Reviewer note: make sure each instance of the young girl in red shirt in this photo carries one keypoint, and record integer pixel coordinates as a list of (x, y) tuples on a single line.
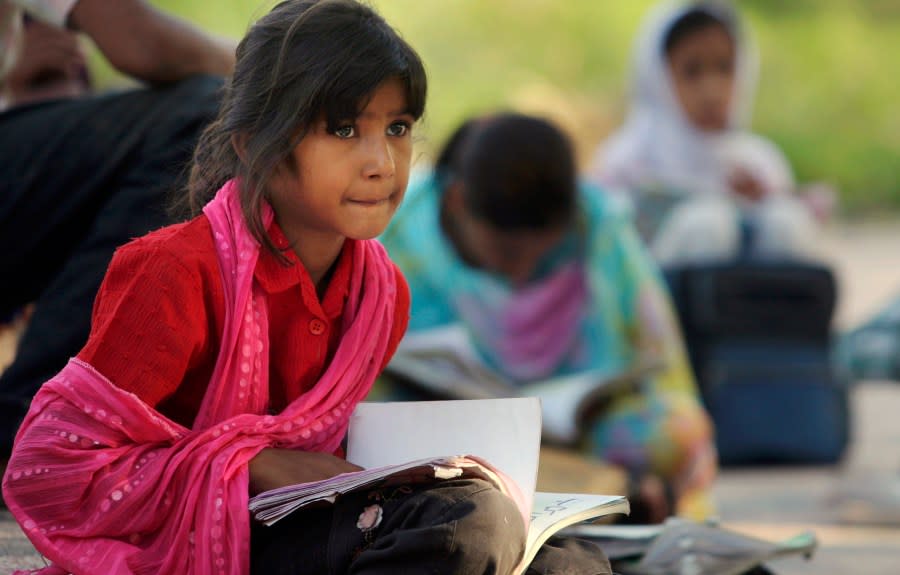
[(227, 353)]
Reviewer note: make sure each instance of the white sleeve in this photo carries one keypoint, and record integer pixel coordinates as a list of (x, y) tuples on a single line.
[(772, 166), (54, 12), (764, 160)]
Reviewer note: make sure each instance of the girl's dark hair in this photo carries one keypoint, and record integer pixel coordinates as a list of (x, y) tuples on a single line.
[(694, 20), (517, 172), (304, 60)]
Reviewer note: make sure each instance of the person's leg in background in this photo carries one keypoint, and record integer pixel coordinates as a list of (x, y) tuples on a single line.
[(785, 230), (697, 230), (664, 437), (79, 179)]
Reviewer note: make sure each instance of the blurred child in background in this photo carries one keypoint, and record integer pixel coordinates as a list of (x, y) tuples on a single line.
[(548, 278), (697, 177)]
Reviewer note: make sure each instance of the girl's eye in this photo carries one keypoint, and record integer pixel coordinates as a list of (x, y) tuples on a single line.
[(345, 131), (398, 129)]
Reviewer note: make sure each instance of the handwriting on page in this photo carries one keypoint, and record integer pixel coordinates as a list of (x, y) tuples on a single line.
[(555, 507)]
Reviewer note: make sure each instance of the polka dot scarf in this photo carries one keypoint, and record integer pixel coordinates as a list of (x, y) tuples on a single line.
[(102, 483)]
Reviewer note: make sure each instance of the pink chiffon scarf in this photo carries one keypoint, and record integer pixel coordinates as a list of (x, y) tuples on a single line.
[(102, 483), (532, 329)]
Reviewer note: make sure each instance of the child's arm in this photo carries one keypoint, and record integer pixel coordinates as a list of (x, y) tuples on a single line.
[(272, 468), (759, 169), (151, 324)]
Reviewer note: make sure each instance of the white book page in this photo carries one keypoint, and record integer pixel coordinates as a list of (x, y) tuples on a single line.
[(554, 511), (452, 338), (444, 361), (561, 398), (550, 509), (504, 432)]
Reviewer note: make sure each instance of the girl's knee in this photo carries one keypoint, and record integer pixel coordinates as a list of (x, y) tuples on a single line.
[(490, 531), (459, 527), (786, 229)]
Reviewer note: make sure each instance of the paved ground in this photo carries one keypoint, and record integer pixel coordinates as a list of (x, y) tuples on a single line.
[(776, 503)]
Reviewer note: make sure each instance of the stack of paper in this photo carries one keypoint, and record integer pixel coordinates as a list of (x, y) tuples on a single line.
[(275, 504)]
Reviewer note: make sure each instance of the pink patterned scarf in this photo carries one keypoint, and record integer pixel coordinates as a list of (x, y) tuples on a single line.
[(528, 331), (102, 483)]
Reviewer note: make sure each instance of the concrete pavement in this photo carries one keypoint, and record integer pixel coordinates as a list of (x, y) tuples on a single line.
[(776, 503)]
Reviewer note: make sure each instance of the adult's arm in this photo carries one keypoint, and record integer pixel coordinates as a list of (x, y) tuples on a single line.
[(147, 44)]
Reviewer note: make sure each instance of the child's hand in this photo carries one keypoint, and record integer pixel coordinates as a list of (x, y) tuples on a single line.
[(746, 185), (272, 468)]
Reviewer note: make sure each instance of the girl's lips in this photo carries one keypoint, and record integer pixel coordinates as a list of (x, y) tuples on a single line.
[(369, 202)]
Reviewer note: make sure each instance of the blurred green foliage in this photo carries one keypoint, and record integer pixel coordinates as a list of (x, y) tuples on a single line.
[(829, 92)]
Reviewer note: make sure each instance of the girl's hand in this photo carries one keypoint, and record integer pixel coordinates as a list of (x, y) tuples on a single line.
[(747, 186), (272, 468)]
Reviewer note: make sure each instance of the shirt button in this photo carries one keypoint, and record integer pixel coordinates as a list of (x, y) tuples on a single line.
[(316, 326)]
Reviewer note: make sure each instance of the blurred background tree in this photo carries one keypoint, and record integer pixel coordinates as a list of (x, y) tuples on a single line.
[(829, 92)]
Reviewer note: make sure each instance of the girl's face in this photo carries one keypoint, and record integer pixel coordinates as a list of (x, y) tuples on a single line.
[(514, 255), (347, 183), (701, 66)]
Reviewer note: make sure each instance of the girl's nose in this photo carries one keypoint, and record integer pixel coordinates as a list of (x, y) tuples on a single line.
[(379, 159)]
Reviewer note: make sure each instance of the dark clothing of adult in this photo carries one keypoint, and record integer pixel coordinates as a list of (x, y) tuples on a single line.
[(79, 178)]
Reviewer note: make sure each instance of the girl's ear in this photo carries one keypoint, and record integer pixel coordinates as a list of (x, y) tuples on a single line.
[(239, 143)]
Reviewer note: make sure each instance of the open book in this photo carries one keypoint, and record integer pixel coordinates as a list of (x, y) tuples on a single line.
[(443, 363), (495, 439)]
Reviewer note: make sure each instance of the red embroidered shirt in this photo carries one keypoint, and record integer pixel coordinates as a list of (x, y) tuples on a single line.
[(159, 315)]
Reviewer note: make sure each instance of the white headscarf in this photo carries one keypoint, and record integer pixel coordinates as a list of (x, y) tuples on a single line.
[(658, 147)]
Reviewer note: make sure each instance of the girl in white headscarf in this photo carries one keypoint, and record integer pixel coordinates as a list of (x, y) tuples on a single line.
[(695, 174)]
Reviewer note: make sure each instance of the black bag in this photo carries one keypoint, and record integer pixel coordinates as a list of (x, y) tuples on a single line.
[(759, 338)]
